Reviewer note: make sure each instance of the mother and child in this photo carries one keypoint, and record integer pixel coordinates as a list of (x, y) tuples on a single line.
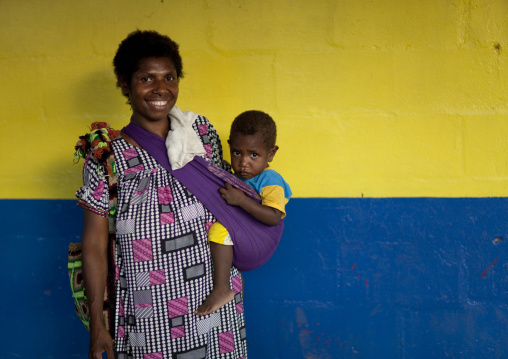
[(177, 293)]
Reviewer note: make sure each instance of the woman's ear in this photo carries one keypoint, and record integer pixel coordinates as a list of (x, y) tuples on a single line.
[(272, 152), (122, 83)]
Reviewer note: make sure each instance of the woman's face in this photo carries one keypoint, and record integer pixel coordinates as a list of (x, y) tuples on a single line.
[(153, 89)]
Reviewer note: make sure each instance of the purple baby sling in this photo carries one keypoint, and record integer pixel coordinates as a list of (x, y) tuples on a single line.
[(254, 241)]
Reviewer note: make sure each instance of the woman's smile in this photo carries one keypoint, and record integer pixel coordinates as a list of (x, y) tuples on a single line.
[(159, 104), (153, 90)]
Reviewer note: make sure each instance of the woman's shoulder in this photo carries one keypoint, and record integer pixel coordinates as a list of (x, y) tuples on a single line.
[(97, 144)]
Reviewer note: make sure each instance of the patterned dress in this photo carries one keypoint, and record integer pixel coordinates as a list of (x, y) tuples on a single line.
[(163, 262)]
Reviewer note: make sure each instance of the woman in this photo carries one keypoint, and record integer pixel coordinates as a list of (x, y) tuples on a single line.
[(163, 264)]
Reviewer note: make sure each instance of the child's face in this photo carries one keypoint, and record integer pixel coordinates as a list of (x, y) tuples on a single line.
[(249, 155)]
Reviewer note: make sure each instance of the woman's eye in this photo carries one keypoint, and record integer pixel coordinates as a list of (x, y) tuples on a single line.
[(170, 78), (146, 79)]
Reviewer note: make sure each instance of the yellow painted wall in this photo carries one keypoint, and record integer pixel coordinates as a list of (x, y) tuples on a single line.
[(380, 98)]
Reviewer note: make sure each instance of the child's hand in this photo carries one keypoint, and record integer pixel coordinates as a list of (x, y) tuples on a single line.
[(233, 196)]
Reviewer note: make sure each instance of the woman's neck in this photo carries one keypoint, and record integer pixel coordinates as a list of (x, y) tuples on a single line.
[(159, 128)]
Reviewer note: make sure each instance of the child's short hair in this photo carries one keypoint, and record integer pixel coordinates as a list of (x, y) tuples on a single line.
[(253, 123)]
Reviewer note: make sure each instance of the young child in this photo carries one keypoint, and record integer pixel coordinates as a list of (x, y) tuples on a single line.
[(252, 146)]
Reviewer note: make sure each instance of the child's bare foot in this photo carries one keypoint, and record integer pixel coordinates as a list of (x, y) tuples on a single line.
[(216, 300)]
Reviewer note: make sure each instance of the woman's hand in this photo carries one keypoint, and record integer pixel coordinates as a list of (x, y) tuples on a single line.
[(100, 341), (233, 196)]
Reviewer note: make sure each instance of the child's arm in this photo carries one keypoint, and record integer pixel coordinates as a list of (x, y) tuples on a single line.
[(265, 214)]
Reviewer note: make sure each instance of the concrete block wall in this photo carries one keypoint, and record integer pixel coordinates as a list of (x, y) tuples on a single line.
[(392, 119), (380, 98)]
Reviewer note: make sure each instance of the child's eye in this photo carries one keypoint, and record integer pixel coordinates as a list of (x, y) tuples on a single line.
[(254, 155), (236, 153)]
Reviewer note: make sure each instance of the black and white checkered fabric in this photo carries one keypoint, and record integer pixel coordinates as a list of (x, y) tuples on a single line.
[(164, 268)]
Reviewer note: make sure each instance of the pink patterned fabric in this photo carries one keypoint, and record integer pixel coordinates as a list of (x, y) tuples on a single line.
[(130, 153), (237, 283), (239, 308), (165, 196), (178, 307), (135, 169), (142, 250), (208, 225), (153, 356), (157, 277), (121, 311), (203, 129), (208, 150), (177, 332), (99, 191), (167, 218), (226, 342)]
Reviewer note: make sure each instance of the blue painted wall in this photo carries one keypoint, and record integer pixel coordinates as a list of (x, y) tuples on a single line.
[(355, 278)]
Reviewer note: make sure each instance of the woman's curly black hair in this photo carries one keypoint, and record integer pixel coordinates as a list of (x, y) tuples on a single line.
[(142, 44), (255, 123)]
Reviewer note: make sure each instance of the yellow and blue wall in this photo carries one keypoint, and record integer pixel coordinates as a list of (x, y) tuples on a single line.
[(393, 123)]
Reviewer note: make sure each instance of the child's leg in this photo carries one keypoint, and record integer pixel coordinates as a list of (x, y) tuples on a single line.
[(222, 293), (221, 248)]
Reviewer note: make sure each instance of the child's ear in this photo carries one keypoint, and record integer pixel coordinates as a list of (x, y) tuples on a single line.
[(272, 152)]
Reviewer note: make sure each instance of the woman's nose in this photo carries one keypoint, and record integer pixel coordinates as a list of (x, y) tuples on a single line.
[(160, 87)]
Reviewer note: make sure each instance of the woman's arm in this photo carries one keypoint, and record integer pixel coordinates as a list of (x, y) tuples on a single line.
[(236, 197), (94, 243)]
